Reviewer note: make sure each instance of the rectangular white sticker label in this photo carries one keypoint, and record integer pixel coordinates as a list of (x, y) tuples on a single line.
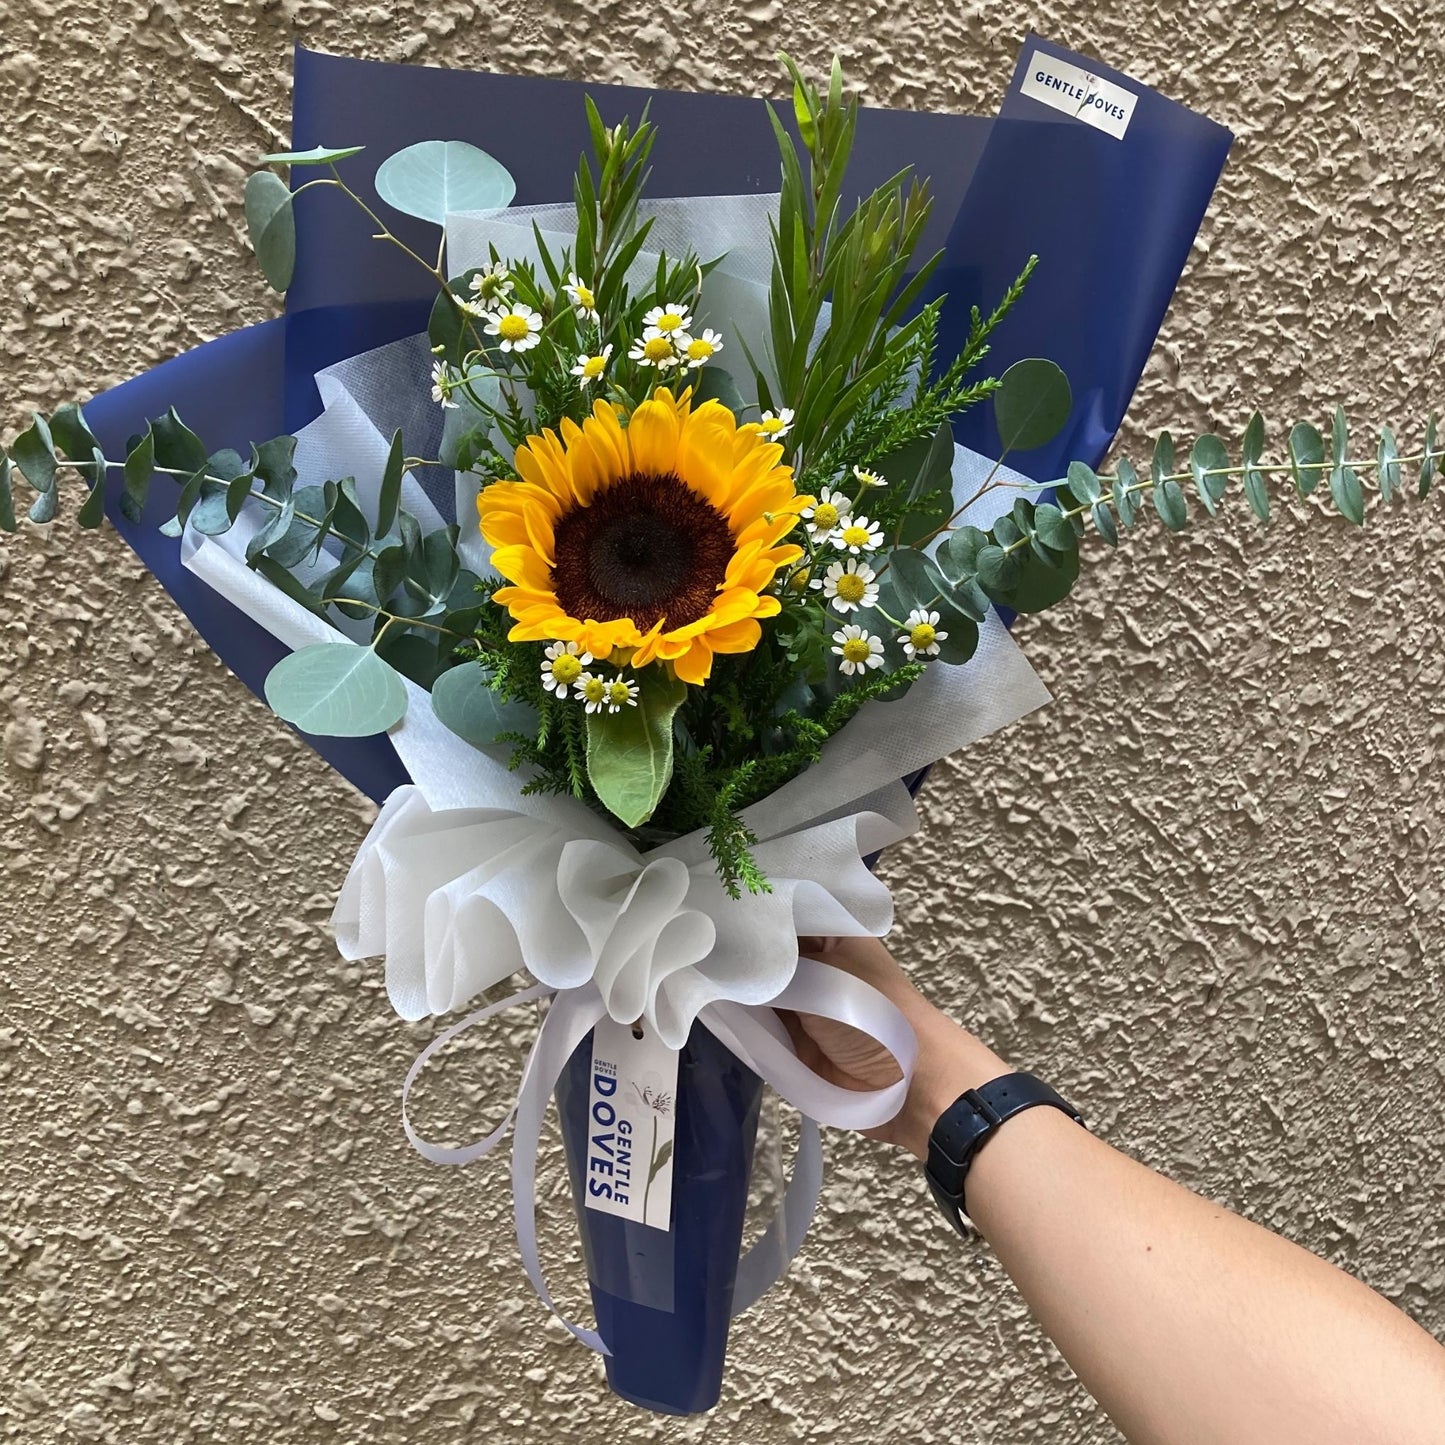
[(1074, 90), (631, 1118)]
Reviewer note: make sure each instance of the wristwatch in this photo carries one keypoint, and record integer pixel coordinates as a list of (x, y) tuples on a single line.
[(969, 1123)]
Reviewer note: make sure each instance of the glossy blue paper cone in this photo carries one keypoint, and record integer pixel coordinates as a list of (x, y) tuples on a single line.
[(664, 1300)]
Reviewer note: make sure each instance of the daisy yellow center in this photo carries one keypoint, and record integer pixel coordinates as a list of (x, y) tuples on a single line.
[(669, 321), (825, 514), (699, 350), (593, 367), (856, 649), (594, 689), (772, 425), (856, 536), (618, 693), (585, 297), (512, 327), (658, 349), (648, 548), (851, 587), (566, 669), (870, 479), (922, 635)]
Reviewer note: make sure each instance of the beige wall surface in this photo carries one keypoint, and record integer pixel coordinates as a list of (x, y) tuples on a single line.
[(1201, 891)]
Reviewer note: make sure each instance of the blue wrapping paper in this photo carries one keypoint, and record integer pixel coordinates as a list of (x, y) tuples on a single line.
[(1112, 220)]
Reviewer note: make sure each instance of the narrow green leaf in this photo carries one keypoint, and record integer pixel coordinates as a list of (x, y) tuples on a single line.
[(318, 156), (1032, 404), (336, 689), (629, 752), (1306, 456), (435, 179), (1387, 466), (389, 498), (271, 224)]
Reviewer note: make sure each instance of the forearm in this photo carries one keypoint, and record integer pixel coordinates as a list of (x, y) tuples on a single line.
[(1187, 1323)]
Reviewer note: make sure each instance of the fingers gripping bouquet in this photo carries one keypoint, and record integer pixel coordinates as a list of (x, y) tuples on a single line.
[(657, 564)]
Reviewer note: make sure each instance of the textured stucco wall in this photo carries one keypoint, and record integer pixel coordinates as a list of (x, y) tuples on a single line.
[(1201, 891)]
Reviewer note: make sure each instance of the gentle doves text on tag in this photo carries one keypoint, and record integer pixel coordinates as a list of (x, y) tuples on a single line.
[(631, 1119), (1074, 90)]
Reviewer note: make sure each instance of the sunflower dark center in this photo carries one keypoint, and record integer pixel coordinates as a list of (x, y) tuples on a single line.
[(648, 547)]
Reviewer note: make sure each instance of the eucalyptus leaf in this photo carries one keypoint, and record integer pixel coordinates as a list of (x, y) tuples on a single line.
[(317, 156), (1348, 494), (1104, 523), (1306, 456), (33, 451), (1169, 503), (336, 689), (271, 224), (958, 553), (917, 578), (1036, 588), (1256, 492), (1387, 466), (136, 478), (713, 383), (1032, 404), (177, 448), (1126, 492), (1208, 460), (7, 494), (435, 179), (629, 752), (465, 703), (1084, 483), (1432, 456), (389, 498)]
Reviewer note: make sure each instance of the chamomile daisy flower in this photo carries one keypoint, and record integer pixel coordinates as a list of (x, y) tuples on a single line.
[(562, 666), (774, 425), (442, 382), (493, 282), (580, 294), (591, 368), (667, 319), (593, 691), (621, 693), (695, 351), (857, 649), (848, 585), (825, 515), (921, 634), (857, 534), (516, 326), (867, 479), (655, 349)]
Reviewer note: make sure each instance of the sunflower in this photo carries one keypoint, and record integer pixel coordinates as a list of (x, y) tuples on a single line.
[(658, 538)]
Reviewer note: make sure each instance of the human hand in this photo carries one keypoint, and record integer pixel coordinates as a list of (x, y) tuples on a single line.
[(950, 1059)]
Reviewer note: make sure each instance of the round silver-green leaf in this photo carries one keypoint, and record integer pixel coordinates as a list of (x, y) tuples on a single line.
[(337, 690), (1032, 404), (436, 178)]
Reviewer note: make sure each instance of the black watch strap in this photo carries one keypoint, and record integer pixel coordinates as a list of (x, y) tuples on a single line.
[(969, 1123)]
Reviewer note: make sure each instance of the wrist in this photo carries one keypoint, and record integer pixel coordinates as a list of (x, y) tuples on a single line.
[(950, 1062)]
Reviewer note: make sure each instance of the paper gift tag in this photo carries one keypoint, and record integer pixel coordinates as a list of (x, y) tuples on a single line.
[(632, 1103)]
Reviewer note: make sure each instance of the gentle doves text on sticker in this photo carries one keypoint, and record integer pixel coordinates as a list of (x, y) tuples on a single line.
[(1078, 92)]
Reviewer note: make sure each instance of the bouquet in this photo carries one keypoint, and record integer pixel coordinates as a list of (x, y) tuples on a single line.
[(636, 571)]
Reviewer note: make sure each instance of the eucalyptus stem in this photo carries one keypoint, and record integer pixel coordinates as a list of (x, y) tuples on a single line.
[(392, 617)]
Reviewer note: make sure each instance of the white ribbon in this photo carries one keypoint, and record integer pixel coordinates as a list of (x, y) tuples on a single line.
[(759, 1040)]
